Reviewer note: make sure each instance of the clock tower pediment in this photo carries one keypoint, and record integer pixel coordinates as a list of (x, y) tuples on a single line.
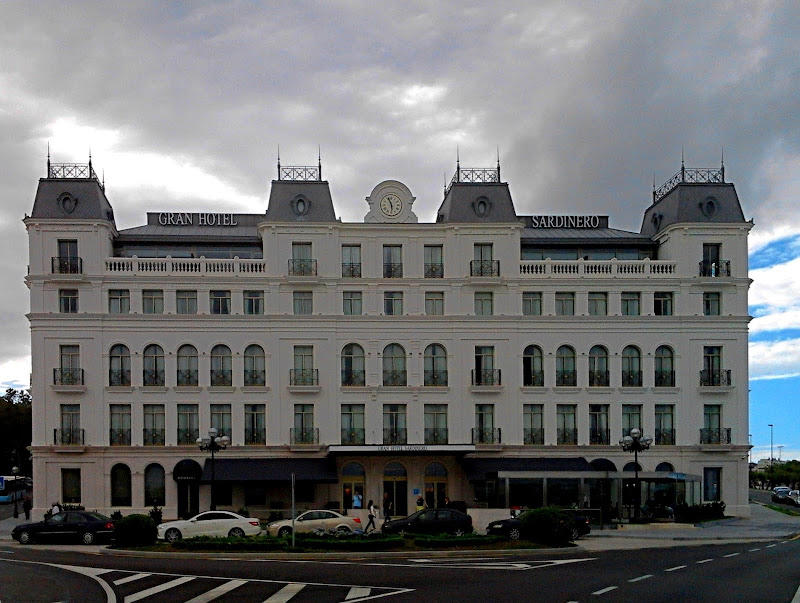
[(390, 202)]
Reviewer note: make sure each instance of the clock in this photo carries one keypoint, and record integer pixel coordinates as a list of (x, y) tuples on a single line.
[(391, 205)]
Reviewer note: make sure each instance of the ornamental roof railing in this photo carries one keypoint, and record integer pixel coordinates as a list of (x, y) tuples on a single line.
[(300, 173), (71, 170), (690, 175), (475, 176)]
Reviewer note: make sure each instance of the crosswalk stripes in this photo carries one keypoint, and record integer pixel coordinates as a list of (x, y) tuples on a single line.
[(217, 592), (142, 594), (286, 593)]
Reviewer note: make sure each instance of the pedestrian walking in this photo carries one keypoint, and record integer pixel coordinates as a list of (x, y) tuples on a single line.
[(27, 505), (56, 508), (387, 507), (372, 513)]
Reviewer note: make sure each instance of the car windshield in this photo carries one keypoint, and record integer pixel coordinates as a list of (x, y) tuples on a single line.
[(99, 516)]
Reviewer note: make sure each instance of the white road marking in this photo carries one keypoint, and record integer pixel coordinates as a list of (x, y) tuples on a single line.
[(87, 571), (142, 594), (769, 546), (732, 555), (704, 561), (286, 593), (453, 559), (217, 592), (796, 598), (753, 550), (131, 578), (645, 577), (357, 592), (603, 591), (677, 567)]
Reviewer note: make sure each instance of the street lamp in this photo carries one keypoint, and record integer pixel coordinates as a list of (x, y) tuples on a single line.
[(15, 471), (213, 443), (771, 456), (636, 443)]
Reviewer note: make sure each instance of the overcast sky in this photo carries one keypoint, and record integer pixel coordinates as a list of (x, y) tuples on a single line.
[(184, 106)]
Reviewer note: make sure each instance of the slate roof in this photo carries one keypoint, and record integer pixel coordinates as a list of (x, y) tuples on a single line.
[(90, 199)]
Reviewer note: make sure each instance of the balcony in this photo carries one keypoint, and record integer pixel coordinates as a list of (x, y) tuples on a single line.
[(599, 437), (568, 437), (435, 435), (435, 378), (188, 378), (154, 437), (481, 435), (351, 270), (714, 269), (717, 435), (68, 437), (354, 436), (611, 269), (255, 437), (631, 378), (434, 270), (533, 436), (715, 378), (664, 437), (533, 378), (222, 378), (566, 378), (255, 378), (148, 267), (394, 436), (302, 267), (395, 378), (119, 437), (484, 268), (67, 265), (188, 436), (664, 379), (486, 377), (392, 270), (599, 379), (153, 378), (303, 377), (354, 378), (304, 435), (67, 376), (120, 378)]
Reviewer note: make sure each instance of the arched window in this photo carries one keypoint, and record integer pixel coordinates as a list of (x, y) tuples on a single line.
[(665, 467), (120, 486), (353, 476), (119, 365), (187, 365), (435, 365), (665, 367), (598, 366), (631, 367), (602, 465), (255, 366), (394, 365), (154, 491), (565, 366), (532, 367), (153, 371), (435, 485), (221, 365), (353, 372), (631, 466)]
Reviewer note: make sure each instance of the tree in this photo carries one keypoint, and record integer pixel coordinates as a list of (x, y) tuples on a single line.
[(15, 431)]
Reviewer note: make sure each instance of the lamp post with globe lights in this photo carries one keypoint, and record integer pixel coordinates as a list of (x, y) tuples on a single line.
[(636, 442), (15, 472), (213, 444)]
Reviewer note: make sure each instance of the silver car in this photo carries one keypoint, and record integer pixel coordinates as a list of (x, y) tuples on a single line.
[(210, 523), (310, 521)]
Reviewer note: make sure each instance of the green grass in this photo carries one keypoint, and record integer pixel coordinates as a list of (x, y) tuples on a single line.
[(784, 510)]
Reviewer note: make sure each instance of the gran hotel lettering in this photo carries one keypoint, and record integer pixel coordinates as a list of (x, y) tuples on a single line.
[(201, 219)]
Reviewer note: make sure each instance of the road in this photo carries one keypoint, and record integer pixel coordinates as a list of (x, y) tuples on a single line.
[(764, 572)]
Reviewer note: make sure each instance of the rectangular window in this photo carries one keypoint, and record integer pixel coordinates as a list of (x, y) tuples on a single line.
[(531, 303), (351, 261), (713, 373), (153, 301), (435, 420), (662, 303), (188, 424), (302, 302), (255, 424), (631, 418), (533, 424), (352, 302), (119, 301), (630, 303), (394, 424), (70, 371), (302, 263), (434, 261), (221, 419), (220, 302), (392, 261), (68, 301), (484, 432), (484, 372), (304, 431), (599, 433), (303, 372), (565, 303), (353, 426), (67, 261), (483, 262), (712, 484), (566, 428), (70, 432), (434, 303), (598, 303), (186, 302), (713, 264), (154, 425), (393, 303), (712, 432), (484, 303), (665, 424), (253, 302), (120, 428), (712, 303), (71, 486)]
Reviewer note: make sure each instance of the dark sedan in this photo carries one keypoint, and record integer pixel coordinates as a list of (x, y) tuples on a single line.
[(69, 526), (431, 521), (512, 527)]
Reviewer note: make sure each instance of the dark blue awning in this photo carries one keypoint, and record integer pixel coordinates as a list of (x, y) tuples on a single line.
[(479, 469), (273, 469)]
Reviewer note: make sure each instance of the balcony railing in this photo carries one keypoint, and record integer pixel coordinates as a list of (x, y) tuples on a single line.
[(351, 270), (533, 436), (67, 376), (718, 435), (304, 435), (67, 265), (664, 379), (255, 377), (567, 437), (395, 378), (354, 378), (392, 270), (353, 436), (188, 377), (395, 435), (433, 378), (119, 437), (303, 376), (154, 437), (168, 266), (566, 378), (302, 267), (255, 437), (599, 437), (436, 435), (68, 437), (119, 378), (486, 377), (598, 268), (434, 270), (153, 378), (188, 436), (664, 437), (481, 435), (720, 268), (599, 378), (716, 378), (484, 268), (222, 378), (534, 379), (631, 378)]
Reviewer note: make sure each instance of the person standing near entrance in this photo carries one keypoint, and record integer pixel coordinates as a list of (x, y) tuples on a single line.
[(387, 507), (27, 505)]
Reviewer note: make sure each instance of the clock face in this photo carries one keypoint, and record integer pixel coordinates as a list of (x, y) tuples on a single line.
[(391, 205)]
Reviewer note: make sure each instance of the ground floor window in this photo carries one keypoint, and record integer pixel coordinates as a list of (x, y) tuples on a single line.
[(395, 489), (352, 480), (712, 482), (435, 485), (71, 486), (154, 490), (120, 486)]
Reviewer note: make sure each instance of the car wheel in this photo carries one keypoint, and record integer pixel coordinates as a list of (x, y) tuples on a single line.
[(87, 538), (574, 534), (236, 533), (25, 538), (284, 532), (344, 530), (173, 535), (514, 533)]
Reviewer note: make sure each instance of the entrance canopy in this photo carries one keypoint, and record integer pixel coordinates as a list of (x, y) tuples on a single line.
[(478, 469), (277, 469)]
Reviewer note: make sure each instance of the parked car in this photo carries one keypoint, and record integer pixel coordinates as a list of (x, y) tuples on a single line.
[(512, 527), (316, 519), (794, 497), (68, 526), (431, 521), (210, 523), (781, 494)]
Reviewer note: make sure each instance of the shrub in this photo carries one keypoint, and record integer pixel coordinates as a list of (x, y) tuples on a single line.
[(135, 530), (702, 512), (156, 515), (548, 525), (244, 512), (116, 516)]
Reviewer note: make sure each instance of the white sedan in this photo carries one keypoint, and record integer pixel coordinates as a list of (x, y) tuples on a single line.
[(210, 523), (315, 520)]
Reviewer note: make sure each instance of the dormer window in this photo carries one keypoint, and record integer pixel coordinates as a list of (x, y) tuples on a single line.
[(300, 205), (67, 203), (482, 206)]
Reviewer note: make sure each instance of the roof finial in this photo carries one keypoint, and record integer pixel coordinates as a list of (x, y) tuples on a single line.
[(48, 158), (722, 162), (104, 179), (498, 163), (279, 162), (458, 165), (319, 162), (683, 169)]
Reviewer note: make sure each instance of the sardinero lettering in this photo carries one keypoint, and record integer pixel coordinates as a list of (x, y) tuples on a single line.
[(403, 448), (202, 219), (565, 221)]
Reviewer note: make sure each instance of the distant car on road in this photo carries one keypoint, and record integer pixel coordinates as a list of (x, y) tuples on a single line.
[(210, 523), (781, 494), (316, 519), (431, 521), (513, 528), (68, 526)]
